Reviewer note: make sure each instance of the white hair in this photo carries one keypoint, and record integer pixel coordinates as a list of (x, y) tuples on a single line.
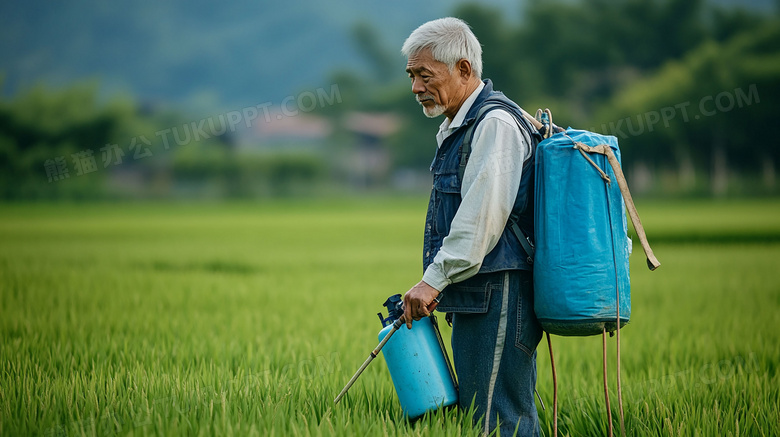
[(450, 40)]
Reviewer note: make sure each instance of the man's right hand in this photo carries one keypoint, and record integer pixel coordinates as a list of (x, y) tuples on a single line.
[(419, 301)]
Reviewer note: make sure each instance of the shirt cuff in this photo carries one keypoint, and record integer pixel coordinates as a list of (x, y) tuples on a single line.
[(434, 277)]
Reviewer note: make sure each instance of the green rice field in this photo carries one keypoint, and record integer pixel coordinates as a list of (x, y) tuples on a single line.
[(246, 319)]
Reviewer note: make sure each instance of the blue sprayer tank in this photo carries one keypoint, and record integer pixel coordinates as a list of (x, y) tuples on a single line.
[(582, 245), (417, 362)]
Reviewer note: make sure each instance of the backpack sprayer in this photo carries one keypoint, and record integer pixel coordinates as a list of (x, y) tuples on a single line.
[(417, 360), (587, 294)]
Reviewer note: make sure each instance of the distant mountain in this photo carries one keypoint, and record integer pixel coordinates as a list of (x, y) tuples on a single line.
[(194, 52), (200, 54)]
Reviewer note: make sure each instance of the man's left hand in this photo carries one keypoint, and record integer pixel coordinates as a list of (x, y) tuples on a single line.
[(419, 302)]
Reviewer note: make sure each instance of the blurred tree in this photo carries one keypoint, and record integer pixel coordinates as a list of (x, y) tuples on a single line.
[(66, 144), (383, 62), (494, 35), (729, 22), (204, 170), (584, 51), (41, 127), (616, 64), (711, 110)]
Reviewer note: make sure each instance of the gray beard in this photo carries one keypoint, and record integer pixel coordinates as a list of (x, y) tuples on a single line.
[(434, 112)]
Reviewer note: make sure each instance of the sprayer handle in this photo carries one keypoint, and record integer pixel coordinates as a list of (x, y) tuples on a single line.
[(432, 306), (421, 290)]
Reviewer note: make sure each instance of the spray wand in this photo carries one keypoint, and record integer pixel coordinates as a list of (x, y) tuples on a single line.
[(397, 324)]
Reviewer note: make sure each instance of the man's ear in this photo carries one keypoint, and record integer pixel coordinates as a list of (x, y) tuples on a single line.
[(463, 67)]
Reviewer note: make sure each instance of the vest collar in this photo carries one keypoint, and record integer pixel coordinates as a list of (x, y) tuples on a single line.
[(483, 95)]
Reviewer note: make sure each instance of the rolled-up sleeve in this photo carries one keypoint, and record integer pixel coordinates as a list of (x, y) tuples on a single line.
[(488, 191)]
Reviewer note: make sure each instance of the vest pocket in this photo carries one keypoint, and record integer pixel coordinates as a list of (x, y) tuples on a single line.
[(469, 296), (446, 191), (446, 183)]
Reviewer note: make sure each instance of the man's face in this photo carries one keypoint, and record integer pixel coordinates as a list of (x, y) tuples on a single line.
[(434, 84)]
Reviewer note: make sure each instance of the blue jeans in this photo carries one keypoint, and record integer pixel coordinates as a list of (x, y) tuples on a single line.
[(494, 339)]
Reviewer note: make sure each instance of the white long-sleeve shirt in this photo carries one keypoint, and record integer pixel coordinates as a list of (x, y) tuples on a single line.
[(490, 183)]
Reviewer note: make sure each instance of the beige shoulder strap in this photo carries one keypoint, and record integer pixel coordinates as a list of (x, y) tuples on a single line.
[(603, 149)]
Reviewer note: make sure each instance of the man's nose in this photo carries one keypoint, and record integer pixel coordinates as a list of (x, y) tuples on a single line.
[(418, 87)]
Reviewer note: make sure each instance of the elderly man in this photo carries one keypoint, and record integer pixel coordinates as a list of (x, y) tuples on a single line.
[(470, 255)]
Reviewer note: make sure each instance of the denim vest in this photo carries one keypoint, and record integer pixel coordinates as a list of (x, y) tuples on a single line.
[(446, 197)]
